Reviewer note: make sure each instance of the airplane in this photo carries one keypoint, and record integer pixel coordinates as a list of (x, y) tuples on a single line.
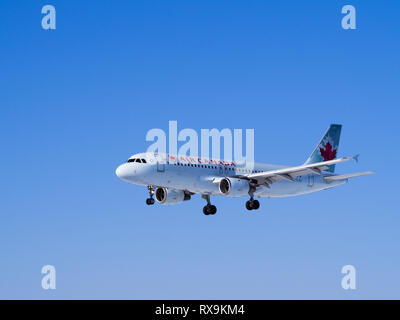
[(172, 179)]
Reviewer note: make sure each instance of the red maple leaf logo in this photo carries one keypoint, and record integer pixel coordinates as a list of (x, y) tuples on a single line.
[(328, 153)]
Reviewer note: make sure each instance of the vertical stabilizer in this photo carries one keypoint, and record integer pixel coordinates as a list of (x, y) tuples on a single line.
[(327, 148)]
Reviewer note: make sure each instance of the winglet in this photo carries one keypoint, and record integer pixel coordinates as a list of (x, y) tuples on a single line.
[(356, 157)]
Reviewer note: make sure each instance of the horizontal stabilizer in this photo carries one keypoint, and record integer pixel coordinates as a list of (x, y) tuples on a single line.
[(346, 176)]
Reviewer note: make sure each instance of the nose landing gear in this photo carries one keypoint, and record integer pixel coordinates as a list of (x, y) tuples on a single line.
[(209, 208), (150, 201)]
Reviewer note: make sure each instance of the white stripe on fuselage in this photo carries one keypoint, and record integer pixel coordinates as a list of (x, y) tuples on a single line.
[(197, 174)]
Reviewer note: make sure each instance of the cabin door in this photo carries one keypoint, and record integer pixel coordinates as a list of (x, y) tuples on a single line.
[(160, 166), (310, 180)]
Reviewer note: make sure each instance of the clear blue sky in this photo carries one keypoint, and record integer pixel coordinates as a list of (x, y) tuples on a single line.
[(77, 101)]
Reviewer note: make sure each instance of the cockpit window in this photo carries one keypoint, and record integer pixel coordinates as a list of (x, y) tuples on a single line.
[(137, 160)]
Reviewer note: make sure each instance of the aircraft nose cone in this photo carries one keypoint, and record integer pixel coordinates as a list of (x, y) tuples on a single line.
[(122, 172), (118, 172)]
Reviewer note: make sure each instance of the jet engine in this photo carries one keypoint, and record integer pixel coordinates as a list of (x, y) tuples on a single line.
[(171, 196), (234, 187)]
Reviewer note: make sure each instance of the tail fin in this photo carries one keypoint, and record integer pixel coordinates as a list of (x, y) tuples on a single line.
[(327, 148)]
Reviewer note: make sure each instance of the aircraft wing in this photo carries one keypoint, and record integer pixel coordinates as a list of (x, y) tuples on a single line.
[(271, 176)]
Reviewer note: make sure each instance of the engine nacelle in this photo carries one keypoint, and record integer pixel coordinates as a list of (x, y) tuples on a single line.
[(170, 196), (234, 187)]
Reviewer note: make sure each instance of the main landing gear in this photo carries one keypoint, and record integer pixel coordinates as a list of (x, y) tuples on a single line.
[(252, 204), (209, 208), (150, 201)]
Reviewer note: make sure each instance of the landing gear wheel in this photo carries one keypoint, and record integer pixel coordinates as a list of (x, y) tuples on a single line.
[(252, 204), (213, 209), (149, 201), (209, 209), (256, 204), (249, 205)]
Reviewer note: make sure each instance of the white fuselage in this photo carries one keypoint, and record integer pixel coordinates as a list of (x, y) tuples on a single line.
[(200, 176)]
